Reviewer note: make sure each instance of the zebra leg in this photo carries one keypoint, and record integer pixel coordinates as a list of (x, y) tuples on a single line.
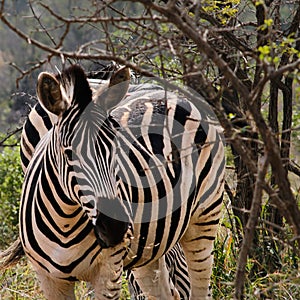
[(178, 270), (133, 286), (106, 277), (197, 244), (154, 280), (54, 288)]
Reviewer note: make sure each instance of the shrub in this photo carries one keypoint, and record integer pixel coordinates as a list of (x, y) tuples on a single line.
[(11, 177)]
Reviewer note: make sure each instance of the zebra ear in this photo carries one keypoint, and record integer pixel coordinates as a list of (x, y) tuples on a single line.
[(49, 94), (110, 95)]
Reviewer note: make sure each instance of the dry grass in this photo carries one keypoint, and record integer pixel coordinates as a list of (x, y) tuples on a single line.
[(20, 283)]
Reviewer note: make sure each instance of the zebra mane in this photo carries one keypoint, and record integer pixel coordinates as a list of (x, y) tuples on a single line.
[(75, 87)]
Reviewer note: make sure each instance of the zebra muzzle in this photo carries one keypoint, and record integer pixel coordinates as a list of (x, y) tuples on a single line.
[(112, 222)]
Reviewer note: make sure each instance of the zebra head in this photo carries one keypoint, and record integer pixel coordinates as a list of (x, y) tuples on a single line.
[(84, 142)]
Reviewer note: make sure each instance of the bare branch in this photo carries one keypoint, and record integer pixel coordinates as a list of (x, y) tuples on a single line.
[(294, 168), (101, 19), (40, 23), (8, 136), (252, 221)]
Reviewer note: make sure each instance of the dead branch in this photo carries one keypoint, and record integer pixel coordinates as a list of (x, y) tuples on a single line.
[(8, 136), (252, 221)]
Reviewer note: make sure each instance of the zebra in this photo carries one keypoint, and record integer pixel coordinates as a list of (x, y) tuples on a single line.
[(40, 121), (120, 228)]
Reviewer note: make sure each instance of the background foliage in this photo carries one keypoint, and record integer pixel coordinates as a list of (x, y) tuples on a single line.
[(10, 187)]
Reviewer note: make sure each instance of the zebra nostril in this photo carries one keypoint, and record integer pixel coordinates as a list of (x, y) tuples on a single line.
[(112, 222), (110, 232)]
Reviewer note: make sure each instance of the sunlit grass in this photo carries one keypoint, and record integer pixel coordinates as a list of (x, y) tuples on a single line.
[(282, 284), (20, 283)]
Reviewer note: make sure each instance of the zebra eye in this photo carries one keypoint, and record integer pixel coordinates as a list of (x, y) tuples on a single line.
[(69, 154)]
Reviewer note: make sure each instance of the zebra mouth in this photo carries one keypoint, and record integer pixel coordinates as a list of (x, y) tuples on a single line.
[(112, 223), (110, 232)]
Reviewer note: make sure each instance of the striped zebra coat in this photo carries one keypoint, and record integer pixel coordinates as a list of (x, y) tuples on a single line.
[(76, 180), (38, 124), (40, 121)]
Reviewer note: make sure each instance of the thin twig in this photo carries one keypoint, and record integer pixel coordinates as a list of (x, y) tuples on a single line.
[(250, 228), (9, 135)]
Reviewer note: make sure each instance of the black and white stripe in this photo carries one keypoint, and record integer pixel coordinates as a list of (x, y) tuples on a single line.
[(167, 162), (39, 122), (178, 275)]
